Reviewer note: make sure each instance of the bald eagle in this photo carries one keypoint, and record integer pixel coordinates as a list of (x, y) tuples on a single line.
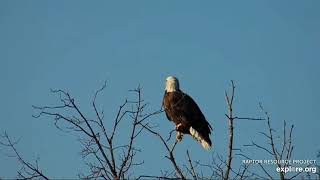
[(186, 114)]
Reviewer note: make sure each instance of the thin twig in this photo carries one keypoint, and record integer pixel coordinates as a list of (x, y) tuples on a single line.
[(230, 124), (35, 171), (193, 173)]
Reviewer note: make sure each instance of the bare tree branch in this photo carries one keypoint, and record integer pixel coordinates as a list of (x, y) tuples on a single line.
[(230, 124), (271, 141), (28, 170), (191, 170), (170, 151)]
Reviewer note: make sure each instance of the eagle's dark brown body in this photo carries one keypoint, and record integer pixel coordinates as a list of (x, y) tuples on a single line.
[(182, 109)]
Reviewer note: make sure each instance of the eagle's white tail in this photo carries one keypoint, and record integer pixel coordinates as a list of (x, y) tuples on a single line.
[(196, 135)]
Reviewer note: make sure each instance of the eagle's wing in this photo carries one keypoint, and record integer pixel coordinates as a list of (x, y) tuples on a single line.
[(173, 104), (190, 113), (182, 109), (193, 115)]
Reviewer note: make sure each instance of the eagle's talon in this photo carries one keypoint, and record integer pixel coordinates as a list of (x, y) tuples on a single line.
[(178, 126), (179, 136)]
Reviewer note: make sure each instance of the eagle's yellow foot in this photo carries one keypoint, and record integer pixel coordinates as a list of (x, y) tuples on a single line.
[(179, 136)]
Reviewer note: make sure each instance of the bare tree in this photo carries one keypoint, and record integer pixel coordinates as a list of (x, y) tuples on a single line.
[(107, 158), (281, 152), (97, 140)]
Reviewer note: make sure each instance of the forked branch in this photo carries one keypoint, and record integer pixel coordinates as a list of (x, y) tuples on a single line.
[(230, 117), (28, 170), (169, 150)]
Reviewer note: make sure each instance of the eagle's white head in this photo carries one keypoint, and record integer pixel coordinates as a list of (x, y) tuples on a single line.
[(172, 84)]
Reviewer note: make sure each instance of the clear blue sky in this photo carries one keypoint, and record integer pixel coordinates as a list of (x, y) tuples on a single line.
[(270, 48)]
